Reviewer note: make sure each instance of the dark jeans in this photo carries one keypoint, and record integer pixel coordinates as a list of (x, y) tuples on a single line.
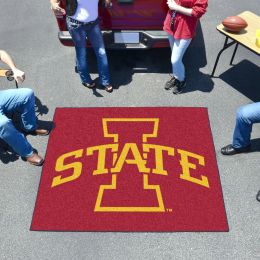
[(80, 33), (20, 101), (246, 116)]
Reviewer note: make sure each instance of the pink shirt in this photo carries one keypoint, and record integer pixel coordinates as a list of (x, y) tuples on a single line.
[(185, 26)]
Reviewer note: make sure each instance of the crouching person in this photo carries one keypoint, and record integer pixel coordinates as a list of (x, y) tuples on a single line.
[(21, 102), (247, 115)]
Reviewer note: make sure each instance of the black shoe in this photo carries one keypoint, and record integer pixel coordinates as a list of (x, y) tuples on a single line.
[(170, 83), (230, 150), (258, 196), (178, 86)]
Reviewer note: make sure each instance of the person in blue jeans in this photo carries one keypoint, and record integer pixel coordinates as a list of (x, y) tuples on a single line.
[(247, 115), (21, 102), (83, 23)]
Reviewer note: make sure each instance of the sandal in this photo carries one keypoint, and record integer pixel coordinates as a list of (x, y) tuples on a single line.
[(39, 131), (108, 88), (89, 85)]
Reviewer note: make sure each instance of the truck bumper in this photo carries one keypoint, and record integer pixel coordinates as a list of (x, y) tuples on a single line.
[(126, 39)]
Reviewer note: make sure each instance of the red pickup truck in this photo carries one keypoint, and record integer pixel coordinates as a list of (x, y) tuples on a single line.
[(132, 24)]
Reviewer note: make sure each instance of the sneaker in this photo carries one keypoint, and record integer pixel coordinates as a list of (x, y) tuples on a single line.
[(178, 86), (170, 83)]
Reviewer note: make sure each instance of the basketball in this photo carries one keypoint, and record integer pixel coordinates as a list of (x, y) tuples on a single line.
[(234, 23)]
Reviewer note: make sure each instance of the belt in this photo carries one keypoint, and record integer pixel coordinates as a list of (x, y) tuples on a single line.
[(78, 22)]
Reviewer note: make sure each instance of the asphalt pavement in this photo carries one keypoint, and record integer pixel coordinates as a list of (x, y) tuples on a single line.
[(28, 31)]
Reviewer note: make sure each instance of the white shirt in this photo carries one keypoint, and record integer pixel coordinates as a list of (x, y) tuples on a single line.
[(87, 11)]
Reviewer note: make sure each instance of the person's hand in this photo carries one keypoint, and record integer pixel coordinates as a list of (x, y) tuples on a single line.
[(172, 5), (108, 3), (18, 75), (58, 11)]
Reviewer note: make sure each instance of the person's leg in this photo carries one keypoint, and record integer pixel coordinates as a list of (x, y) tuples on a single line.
[(97, 42), (170, 83), (20, 101), (246, 116), (178, 47), (178, 50), (78, 35), (171, 40), (14, 138)]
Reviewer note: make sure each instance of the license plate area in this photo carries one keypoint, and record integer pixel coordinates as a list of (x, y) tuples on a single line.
[(126, 37)]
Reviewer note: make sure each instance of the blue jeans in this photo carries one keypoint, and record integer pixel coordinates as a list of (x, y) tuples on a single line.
[(80, 33), (246, 116), (179, 47), (19, 101)]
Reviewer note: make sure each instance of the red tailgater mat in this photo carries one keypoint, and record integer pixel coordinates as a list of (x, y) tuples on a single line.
[(130, 169)]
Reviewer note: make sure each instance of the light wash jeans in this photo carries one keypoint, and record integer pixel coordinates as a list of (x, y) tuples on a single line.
[(19, 101), (179, 47), (246, 116), (80, 33)]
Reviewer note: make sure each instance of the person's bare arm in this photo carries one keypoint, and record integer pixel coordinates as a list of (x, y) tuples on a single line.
[(180, 9), (108, 2), (18, 75), (55, 6)]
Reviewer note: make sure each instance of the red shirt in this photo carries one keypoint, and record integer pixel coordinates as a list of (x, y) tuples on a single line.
[(185, 26)]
